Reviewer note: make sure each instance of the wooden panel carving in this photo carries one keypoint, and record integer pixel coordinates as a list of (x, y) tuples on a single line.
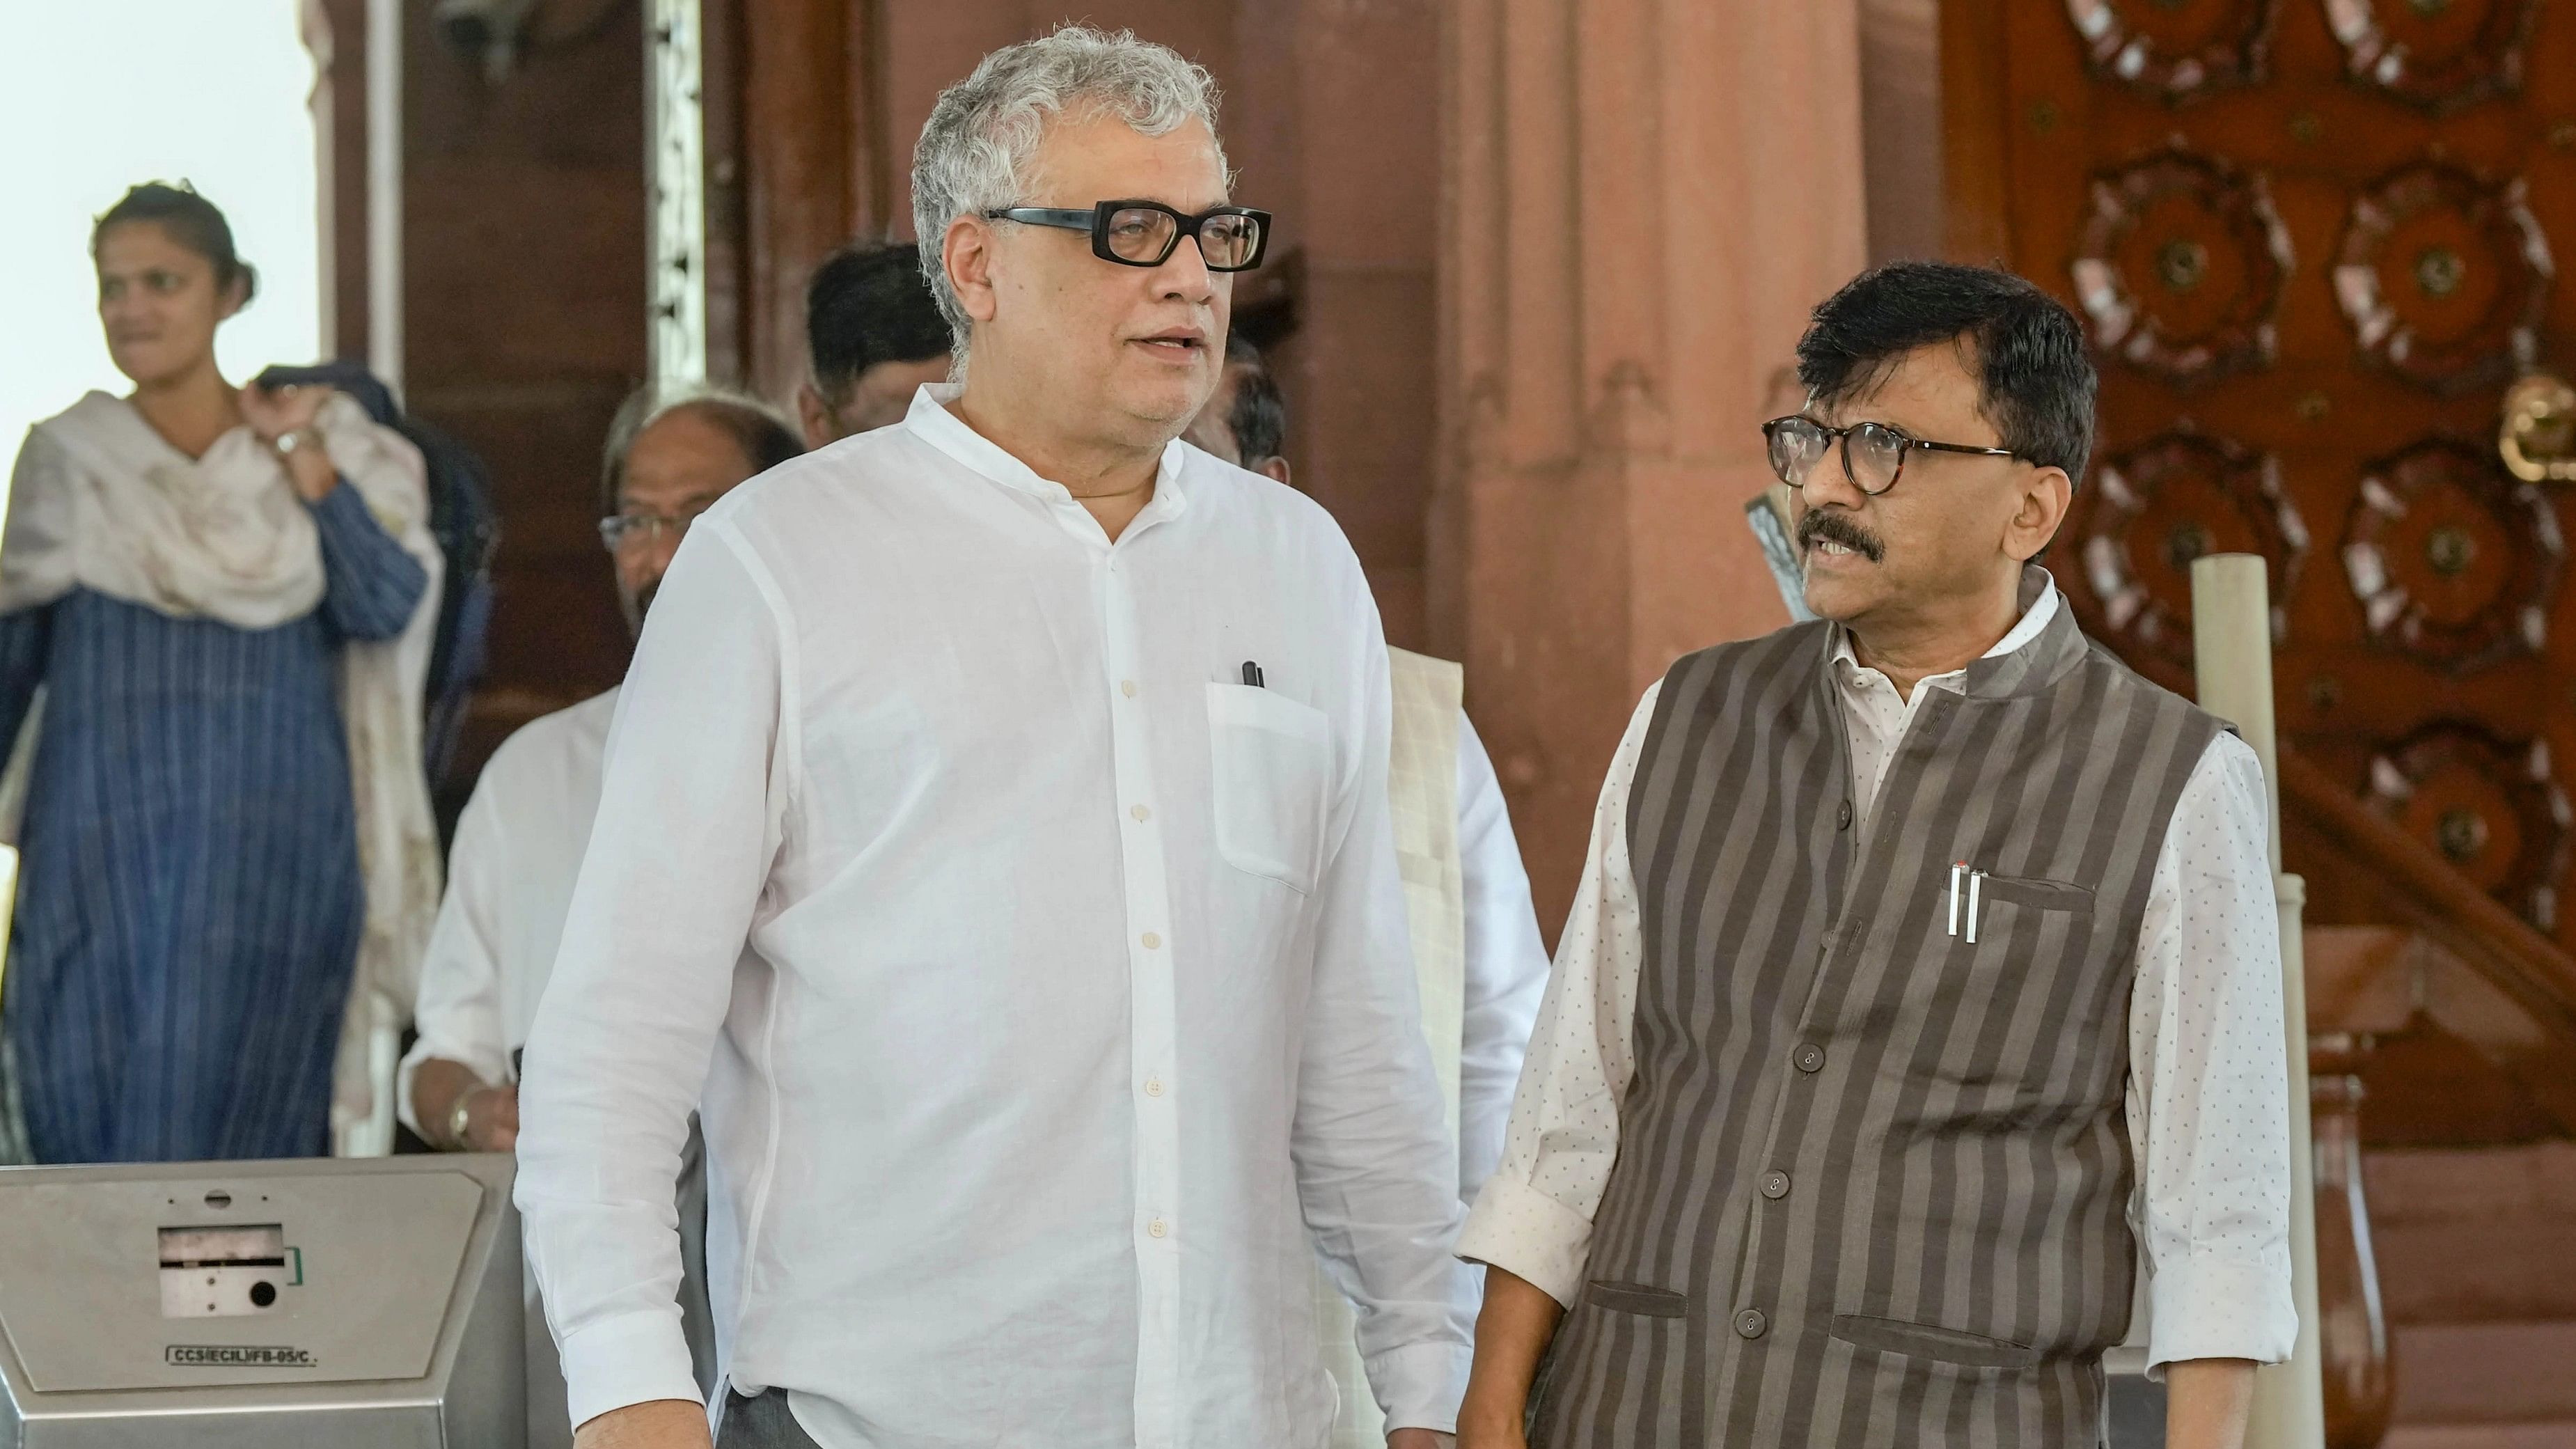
[(2165, 503), (2179, 267), (2176, 52), (2495, 811), (2439, 56), (2454, 561), (2444, 277)]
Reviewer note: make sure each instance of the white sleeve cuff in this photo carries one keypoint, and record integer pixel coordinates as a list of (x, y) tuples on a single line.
[(1421, 1384), (1533, 1237), (2212, 1306), (634, 1358)]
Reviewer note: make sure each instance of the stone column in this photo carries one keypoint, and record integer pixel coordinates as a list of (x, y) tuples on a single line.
[(1640, 201)]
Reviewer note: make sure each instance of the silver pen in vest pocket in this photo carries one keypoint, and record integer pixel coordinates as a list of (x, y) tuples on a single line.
[(1976, 882)]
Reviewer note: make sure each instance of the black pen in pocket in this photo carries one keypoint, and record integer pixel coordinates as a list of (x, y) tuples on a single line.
[(1252, 674)]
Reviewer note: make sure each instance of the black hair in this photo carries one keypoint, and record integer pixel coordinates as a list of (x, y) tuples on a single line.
[(1258, 416), (191, 220), (868, 304), (2035, 382), (759, 430)]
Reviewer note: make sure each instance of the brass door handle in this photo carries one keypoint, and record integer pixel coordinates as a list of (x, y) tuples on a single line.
[(2537, 439)]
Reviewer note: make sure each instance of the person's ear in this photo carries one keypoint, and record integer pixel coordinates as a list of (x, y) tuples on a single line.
[(231, 297), (814, 417), (966, 249), (1275, 469), (2046, 494)]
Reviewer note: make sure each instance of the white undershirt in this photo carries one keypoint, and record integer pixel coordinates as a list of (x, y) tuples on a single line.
[(2208, 1094)]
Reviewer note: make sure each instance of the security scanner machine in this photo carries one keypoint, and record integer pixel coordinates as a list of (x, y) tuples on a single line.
[(367, 1303)]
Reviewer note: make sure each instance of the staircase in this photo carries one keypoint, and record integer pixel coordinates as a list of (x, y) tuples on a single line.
[(2458, 1021), (2471, 1195), (2477, 1270)]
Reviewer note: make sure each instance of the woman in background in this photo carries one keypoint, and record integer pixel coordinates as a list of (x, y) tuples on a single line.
[(226, 596)]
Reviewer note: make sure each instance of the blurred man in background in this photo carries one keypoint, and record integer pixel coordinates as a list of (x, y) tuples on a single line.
[(1246, 422), (520, 841), (873, 336), (1477, 954)]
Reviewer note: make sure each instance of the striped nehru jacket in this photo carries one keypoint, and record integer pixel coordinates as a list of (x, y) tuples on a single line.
[(1873, 1175)]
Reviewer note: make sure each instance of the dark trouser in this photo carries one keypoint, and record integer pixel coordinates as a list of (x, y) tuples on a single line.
[(761, 1423)]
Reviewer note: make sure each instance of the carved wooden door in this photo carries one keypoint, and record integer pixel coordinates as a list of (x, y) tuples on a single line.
[(2314, 241)]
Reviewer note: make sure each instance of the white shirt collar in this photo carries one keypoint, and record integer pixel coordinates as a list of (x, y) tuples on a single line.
[(2033, 620), (930, 420)]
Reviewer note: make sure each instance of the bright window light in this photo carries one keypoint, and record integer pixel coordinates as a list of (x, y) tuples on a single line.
[(96, 95)]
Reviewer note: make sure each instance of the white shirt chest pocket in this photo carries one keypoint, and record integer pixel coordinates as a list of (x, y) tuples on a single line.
[(1271, 769)]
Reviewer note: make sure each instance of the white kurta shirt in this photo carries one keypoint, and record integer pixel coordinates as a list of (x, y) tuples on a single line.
[(1506, 964), (1075, 965), (509, 881), (2208, 1097)]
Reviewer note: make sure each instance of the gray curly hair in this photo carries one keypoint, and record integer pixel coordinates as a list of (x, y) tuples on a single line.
[(976, 147)]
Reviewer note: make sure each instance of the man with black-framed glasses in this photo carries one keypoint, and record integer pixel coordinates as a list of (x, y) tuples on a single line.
[(999, 802), (1925, 967)]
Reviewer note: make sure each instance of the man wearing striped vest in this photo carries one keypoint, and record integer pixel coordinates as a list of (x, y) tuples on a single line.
[(1925, 968)]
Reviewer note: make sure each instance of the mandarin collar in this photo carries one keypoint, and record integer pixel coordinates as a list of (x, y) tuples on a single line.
[(930, 420)]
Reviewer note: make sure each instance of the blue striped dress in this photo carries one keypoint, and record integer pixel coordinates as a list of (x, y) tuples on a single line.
[(189, 904)]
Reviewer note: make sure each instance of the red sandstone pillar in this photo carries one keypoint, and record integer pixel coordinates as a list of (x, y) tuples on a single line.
[(1640, 200)]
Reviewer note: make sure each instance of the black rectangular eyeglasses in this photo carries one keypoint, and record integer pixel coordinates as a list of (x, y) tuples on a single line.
[(1144, 233)]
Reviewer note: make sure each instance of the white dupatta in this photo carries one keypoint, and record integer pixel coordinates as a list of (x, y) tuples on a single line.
[(100, 501)]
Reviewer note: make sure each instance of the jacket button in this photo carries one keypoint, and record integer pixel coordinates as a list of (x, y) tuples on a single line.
[(1775, 1184), (1809, 1057), (1751, 1324), (1842, 816)]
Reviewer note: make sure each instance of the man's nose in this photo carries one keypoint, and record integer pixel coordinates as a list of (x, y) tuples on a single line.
[(1184, 274), (1829, 483)]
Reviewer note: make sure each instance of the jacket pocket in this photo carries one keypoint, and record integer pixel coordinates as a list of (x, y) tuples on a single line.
[(2038, 894), (1925, 1340), (1637, 1298)]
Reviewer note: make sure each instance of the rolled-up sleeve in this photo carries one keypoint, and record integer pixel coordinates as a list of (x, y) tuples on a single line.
[(1534, 1218), (695, 793), (2208, 1103)]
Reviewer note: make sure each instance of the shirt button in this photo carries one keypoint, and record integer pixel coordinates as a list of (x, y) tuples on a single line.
[(1153, 1086), (1127, 687), (1751, 1323), (1775, 1184), (1842, 816), (1809, 1057), (1158, 1229), (1141, 813)]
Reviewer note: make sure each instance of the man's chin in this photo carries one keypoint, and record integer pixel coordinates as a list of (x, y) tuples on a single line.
[(1829, 595), (638, 605), (1168, 402)]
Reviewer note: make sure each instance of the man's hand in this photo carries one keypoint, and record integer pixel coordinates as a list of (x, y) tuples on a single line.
[(2207, 1401), (491, 1113), (1421, 1439), (660, 1424), (1512, 1333), (492, 1119)]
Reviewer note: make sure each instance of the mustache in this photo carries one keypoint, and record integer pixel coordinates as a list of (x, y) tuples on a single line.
[(1833, 526)]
